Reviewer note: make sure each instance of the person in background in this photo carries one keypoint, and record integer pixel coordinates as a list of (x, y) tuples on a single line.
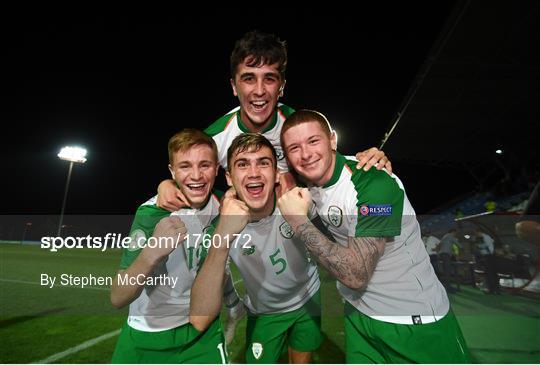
[(486, 252), (445, 253), (432, 243)]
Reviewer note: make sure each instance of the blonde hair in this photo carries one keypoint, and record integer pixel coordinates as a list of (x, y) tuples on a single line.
[(187, 138)]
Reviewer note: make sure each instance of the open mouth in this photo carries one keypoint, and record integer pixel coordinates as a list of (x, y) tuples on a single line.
[(255, 189), (258, 105), (197, 188)]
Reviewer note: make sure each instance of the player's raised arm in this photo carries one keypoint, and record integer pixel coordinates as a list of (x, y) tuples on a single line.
[(170, 197), (353, 265), (207, 290), (169, 227)]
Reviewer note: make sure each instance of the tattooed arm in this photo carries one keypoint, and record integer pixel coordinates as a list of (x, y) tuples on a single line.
[(352, 265)]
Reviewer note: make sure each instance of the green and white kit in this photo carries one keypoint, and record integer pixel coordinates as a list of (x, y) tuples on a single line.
[(278, 274), (402, 315), (180, 345), (228, 127), (282, 289), (163, 307), (356, 203), (158, 328)]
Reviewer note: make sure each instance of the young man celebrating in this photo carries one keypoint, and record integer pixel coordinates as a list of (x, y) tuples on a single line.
[(396, 309), (158, 329), (282, 283), (258, 65)]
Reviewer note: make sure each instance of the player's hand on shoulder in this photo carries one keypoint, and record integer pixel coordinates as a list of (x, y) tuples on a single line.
[(170, 197), (373, 157)]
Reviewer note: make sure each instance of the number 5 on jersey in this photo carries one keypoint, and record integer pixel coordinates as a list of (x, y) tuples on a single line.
[(278, 261)]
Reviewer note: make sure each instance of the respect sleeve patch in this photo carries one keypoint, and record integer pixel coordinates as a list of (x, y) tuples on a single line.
[(376, 210)]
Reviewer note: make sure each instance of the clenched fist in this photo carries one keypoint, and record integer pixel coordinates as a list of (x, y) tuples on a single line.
[(294, 206), (168, 234), (286, 183), (234, 214)]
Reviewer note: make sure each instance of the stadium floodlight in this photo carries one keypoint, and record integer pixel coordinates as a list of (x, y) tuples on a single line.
[(499, 152), (73, 155)]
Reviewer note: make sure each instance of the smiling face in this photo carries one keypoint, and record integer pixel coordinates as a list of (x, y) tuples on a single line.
[(253, 174), (258, 88), (310, 151), (195, 170)]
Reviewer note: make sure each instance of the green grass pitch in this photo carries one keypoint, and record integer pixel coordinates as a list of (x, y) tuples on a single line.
[(37, 322)]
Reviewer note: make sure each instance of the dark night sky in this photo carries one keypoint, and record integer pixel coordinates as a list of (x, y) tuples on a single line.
[(122, 85)]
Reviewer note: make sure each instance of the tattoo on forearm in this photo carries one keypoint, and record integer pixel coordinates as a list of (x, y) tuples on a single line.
[(352, 265)]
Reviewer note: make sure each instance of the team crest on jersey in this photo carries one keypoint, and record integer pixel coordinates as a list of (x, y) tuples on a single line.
[(335, 215), (250, 250), (279, 153), (286, 230), (138, 240), (257, 350)]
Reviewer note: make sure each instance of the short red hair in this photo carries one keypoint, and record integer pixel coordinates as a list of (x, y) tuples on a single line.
[(306, 116)]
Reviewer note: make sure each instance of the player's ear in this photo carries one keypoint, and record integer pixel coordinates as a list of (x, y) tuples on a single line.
[(233, 85), (228, 177), (333, 140), (172, 171), (281, 88)]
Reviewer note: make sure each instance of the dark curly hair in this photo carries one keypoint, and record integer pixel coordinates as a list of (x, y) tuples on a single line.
[(261, 48)]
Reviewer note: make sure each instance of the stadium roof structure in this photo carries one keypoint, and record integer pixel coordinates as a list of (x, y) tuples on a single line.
[(477, 91)]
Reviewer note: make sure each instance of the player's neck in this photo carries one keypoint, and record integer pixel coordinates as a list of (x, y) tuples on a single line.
[(255, 127), (200, 206), (327, 176), (266, 211)]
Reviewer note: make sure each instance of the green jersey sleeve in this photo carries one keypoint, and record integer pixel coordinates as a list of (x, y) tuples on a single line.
[(144, 223), (379, 204), (286, 110), (219, 125)]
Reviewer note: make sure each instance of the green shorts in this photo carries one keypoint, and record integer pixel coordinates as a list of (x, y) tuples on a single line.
[(266, 334), (179, 345), (371, 341)]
